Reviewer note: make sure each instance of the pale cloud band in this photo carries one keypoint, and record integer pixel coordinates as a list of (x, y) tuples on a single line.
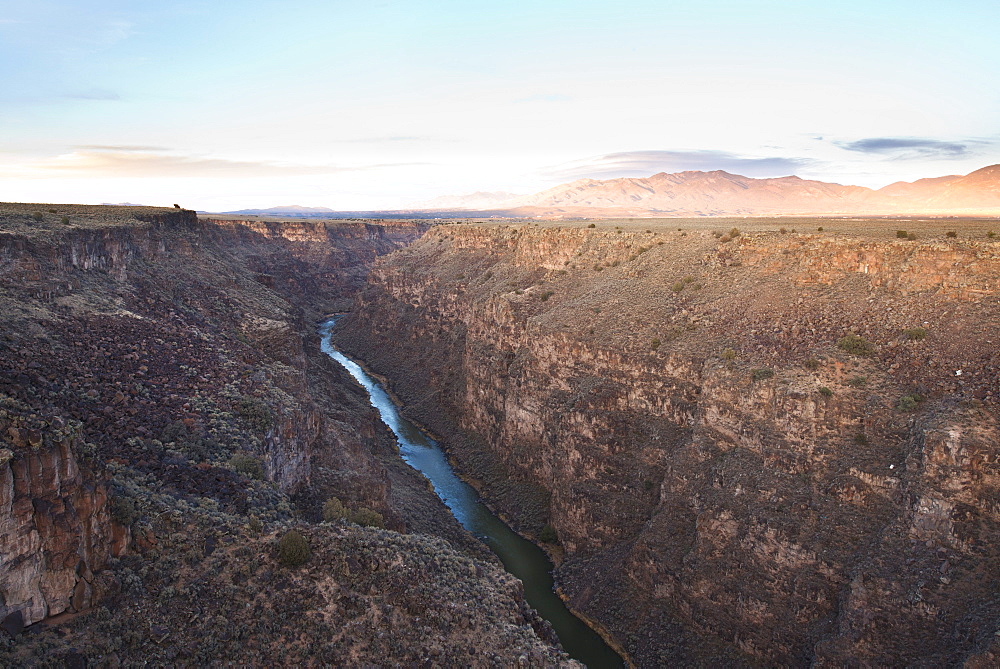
[(645, 163), (908, 148), (150, 161)]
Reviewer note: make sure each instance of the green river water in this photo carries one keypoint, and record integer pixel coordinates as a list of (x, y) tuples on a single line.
[(519, 556)]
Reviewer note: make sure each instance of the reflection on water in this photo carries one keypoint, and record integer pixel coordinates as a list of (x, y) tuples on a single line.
[(519, 556)]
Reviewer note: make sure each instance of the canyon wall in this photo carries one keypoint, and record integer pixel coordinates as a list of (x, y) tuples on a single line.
[(116, 334), (166, 416), (55, 525), (754, 449)]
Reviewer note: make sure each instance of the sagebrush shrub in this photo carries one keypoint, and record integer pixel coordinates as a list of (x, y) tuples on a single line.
[(548, 535), (367, 517), (334, 509), (855, 345), (293, 549), (248, 465), (908, 403)]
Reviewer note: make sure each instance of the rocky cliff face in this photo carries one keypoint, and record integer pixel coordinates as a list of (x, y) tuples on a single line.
[(166, 415), (125, 281), (316, 265), (55, 525), (762, 449)]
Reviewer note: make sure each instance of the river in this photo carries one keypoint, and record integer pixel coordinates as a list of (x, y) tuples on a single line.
[(519, 556)]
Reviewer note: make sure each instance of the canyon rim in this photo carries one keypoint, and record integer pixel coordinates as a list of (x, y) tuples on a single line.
[(744, 441)]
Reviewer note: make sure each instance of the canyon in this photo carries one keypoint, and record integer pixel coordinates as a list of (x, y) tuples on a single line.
[(744, 442), (755, 447), (166, 416)]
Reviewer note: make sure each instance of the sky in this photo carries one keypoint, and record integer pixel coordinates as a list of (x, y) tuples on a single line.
[(380, 104)]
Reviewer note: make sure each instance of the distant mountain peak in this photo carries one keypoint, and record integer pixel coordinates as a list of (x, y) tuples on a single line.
[(991, 171), (720, 193)]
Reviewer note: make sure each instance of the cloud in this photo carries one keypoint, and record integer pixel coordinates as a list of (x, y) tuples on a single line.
[(118, 147), (142, 161), (645, 163), (907, 148)]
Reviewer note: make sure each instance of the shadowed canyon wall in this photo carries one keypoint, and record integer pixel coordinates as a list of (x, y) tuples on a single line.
[(766, 449), (154, 274), (166, 414)]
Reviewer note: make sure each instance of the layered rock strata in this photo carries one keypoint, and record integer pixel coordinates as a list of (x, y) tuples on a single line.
[(55, 525), (754, 449), (166, 415)]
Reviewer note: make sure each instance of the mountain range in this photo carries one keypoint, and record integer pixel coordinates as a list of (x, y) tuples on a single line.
[(285, 210), (697, 193), (719, 193)]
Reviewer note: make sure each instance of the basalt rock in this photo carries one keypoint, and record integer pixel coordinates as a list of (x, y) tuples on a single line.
[(165, 412), (728, 485), (55, 526)]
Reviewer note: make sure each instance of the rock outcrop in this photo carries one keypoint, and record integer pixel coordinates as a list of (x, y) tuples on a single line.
[(754, 449), (55, 525), (166, 415)]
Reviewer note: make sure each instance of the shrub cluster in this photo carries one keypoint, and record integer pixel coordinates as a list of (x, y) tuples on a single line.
[(908, 403), (248, 465), (367, 517), (548, 535), (334, 510), (293, 549), (855, 345), (256, 412), (124, 510)]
